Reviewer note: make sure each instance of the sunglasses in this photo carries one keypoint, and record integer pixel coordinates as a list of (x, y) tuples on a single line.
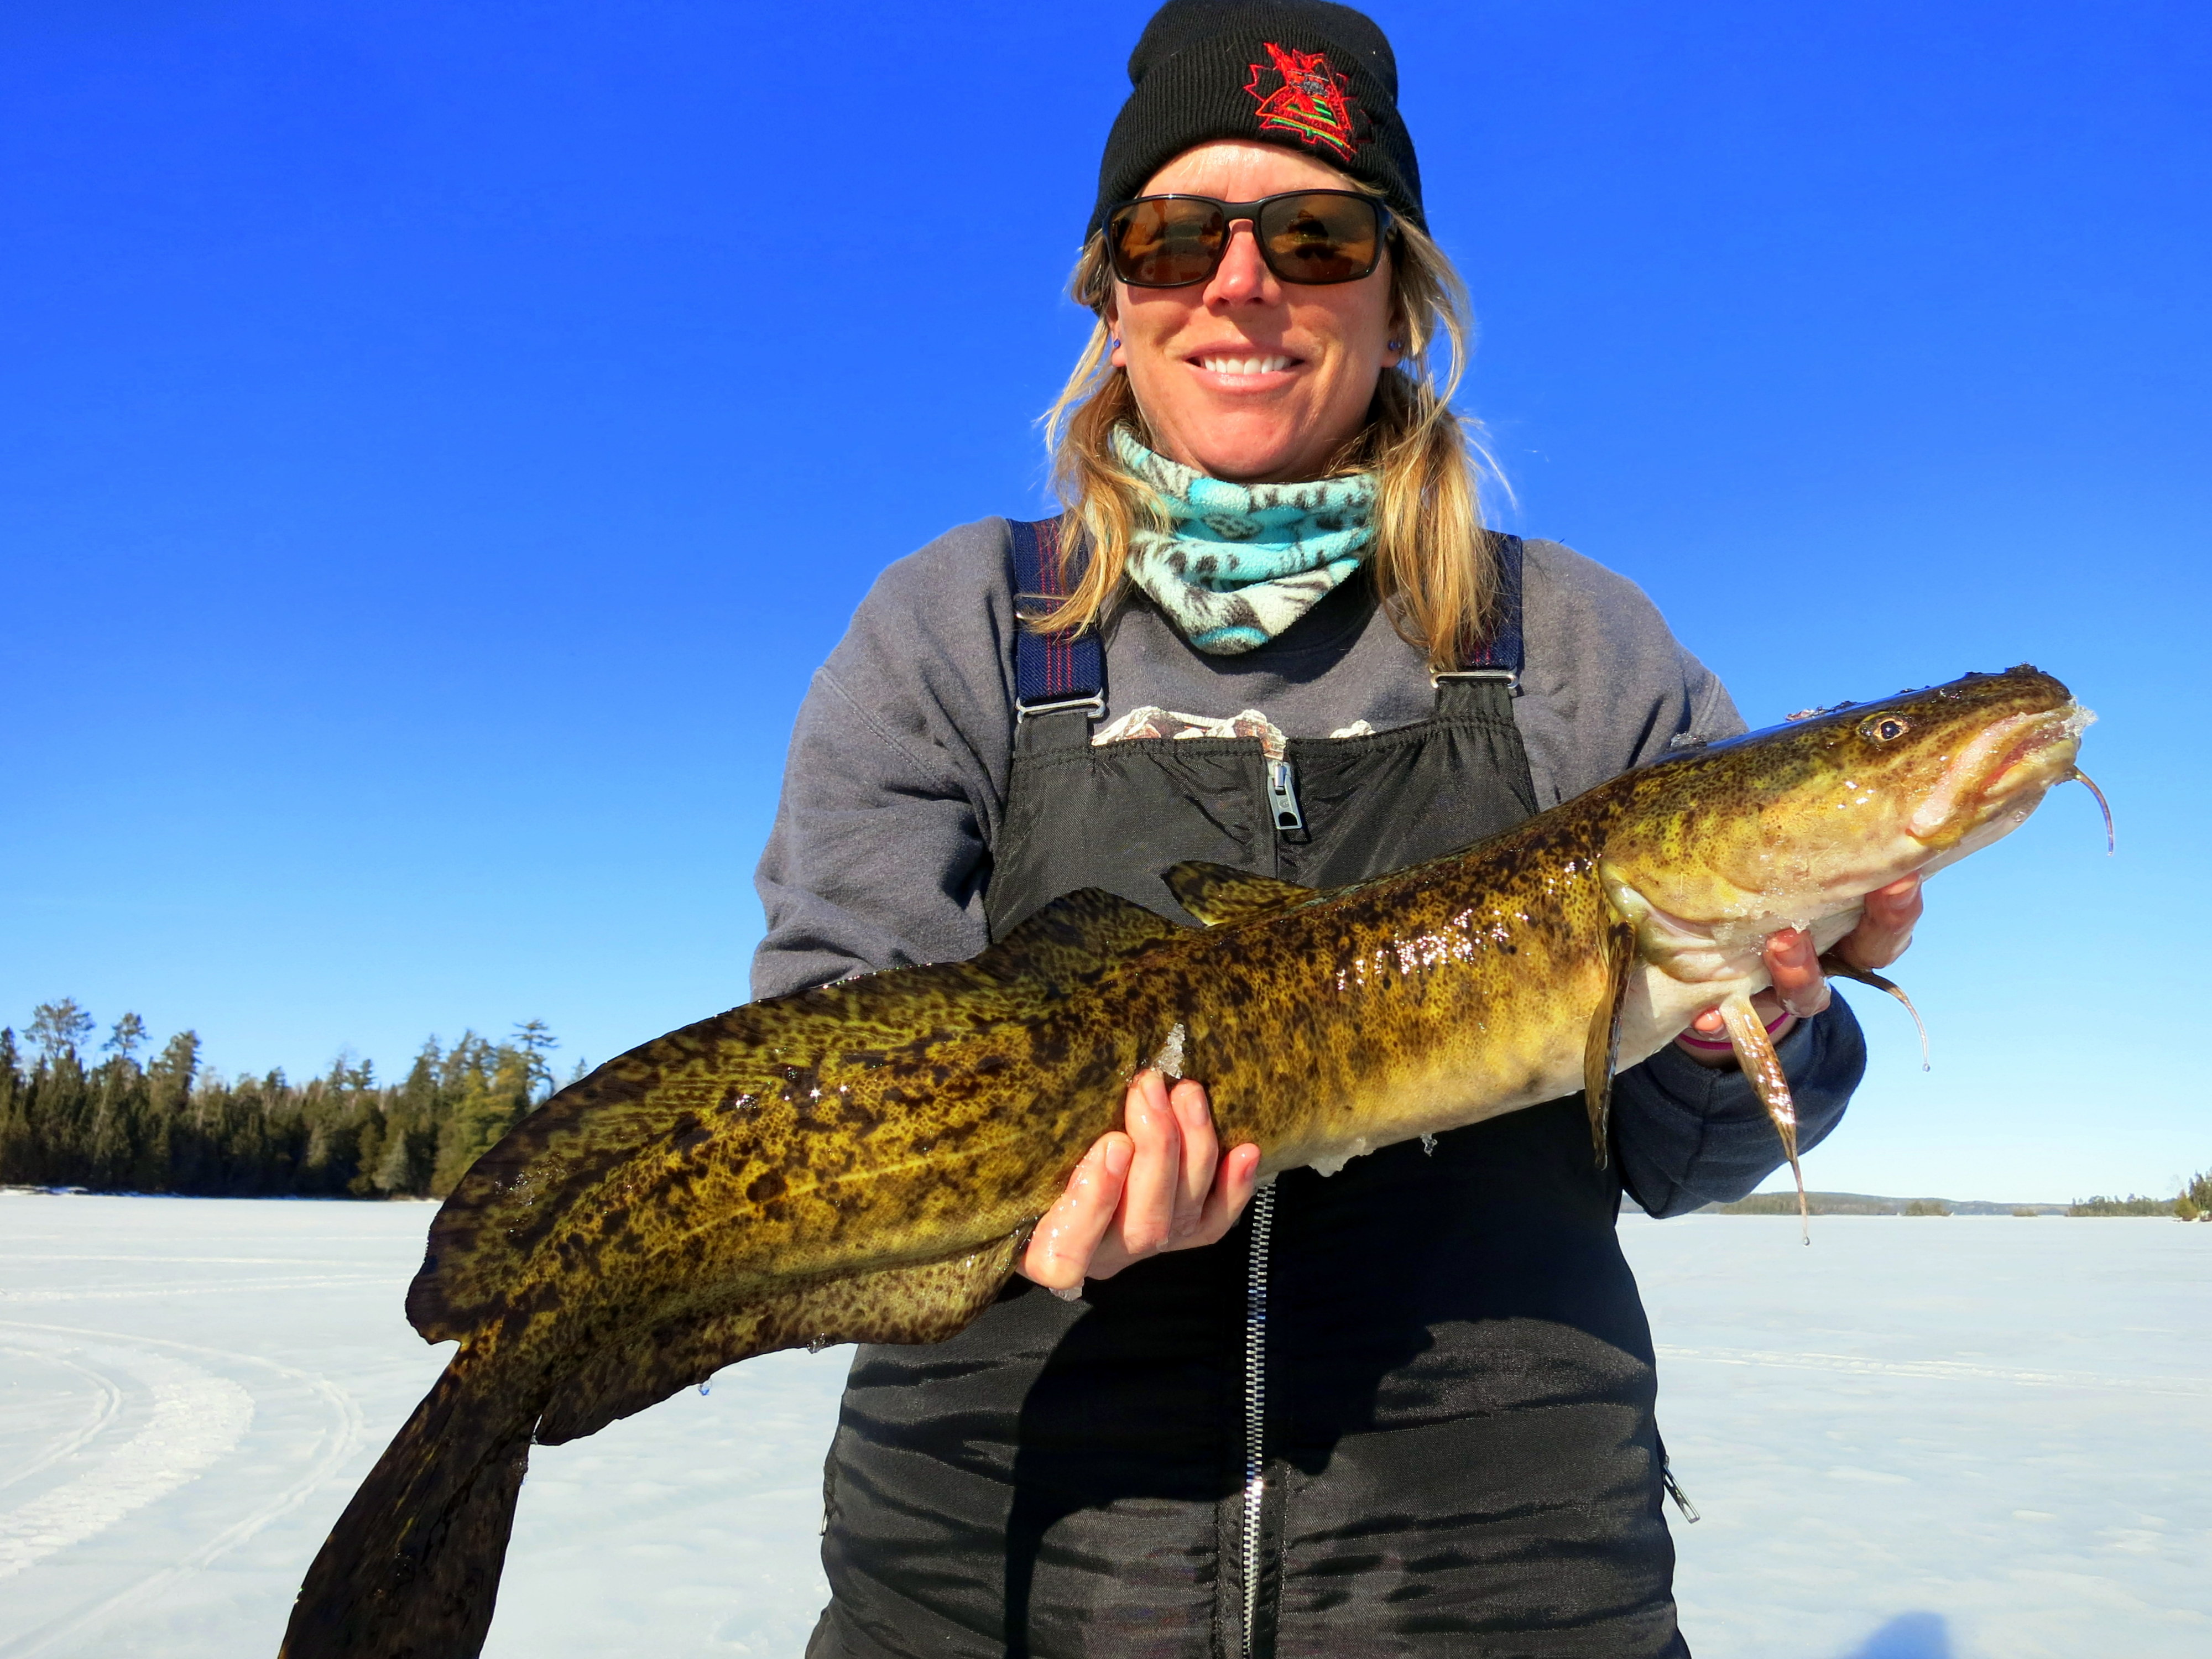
[(1305, 236)]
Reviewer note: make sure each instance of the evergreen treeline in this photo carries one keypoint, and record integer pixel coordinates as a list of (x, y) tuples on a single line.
[(2195, 1203), (113, 1123), (1874, 1204), (2192, 1203)]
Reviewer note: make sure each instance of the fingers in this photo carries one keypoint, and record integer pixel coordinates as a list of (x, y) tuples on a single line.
[(1171, 1178), (1163, 1185), (1147, 1220), (1061, 1248), (1717, 1049), (1800, 988), (1886, 928), (1210, 1190), (1232, 1188), (1201, 1152), (1794, 966)]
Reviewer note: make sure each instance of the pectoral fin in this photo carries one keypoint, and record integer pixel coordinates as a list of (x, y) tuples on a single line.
[(1755, 1052), (923, 1303), (1601, 1047), (1836, 967)]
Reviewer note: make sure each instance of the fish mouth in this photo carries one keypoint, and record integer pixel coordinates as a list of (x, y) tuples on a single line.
[(2009, 759)]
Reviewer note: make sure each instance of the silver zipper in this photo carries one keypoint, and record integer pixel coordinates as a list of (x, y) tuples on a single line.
[(1283, 797), (1256, 1401)]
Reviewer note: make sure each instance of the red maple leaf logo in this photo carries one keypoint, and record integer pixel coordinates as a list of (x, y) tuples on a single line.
[(1312, 100)]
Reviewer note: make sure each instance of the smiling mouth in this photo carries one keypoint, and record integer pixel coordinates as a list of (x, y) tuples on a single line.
[(1244, 368)]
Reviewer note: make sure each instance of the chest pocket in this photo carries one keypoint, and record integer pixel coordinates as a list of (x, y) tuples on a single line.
[(1117, 815)]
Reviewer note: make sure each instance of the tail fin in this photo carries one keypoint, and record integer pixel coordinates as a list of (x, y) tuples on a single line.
[(411, 1570)]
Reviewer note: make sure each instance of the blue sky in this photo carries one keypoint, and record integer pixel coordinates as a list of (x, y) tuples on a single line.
[(438, 441)]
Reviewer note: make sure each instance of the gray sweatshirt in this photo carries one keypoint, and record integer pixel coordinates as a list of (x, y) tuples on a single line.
[(896, 781)]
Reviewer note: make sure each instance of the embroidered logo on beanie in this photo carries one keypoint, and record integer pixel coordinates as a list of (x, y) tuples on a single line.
[(1206, 70), (1311, 98)]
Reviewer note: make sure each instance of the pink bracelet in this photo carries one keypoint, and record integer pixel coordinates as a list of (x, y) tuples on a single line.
[(1712, 1047)]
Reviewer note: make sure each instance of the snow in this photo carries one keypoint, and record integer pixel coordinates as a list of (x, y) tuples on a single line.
[(1930, 1437), (1935, 1439)]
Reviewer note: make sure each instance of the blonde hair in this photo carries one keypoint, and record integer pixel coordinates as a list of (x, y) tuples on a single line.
[(1434, 568)]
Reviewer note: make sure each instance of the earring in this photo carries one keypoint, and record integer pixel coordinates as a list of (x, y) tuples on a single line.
[(1397, 345)]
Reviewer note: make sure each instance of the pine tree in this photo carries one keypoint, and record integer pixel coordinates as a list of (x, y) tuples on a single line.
[(2195, 1203), (168, 1098), (130, 1031), (62, 1104), (14, 1127), (535, 1039), (59, 1027), (489, 1091), (118, 1094)]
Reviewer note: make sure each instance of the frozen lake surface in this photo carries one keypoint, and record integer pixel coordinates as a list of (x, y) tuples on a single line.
[(1919, 1439)]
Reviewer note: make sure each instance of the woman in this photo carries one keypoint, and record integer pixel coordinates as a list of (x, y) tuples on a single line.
[(1408, 1409)]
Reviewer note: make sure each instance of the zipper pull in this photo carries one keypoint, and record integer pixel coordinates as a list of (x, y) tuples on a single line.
[(1283, 801), (1674, 1491)]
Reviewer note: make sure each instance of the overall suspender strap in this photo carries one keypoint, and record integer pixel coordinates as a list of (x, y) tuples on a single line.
[(1502, 650), (1498, 656), (1052, 671)]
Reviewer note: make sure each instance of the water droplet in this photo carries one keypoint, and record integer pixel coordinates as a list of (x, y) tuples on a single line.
[(816, 1344), (706, 1386), (1429, 1145)]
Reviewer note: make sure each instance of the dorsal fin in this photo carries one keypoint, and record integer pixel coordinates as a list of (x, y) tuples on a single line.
[(1075, 938), (1059, 948), (1217, 894)]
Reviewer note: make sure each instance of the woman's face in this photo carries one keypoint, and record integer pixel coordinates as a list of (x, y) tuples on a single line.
[(1244, 376)]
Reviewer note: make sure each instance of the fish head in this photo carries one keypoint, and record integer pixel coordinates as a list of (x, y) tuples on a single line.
[(1797, 824)]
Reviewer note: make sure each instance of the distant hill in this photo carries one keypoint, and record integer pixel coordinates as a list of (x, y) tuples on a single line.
[(2192, 1203), (1874, 1204)]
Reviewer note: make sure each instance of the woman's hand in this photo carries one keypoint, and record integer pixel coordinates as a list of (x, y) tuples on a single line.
[(1161, 1186), (1800, 988)]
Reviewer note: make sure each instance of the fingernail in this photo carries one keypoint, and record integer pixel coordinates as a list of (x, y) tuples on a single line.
[(1118, 1156), (1067, 1292)]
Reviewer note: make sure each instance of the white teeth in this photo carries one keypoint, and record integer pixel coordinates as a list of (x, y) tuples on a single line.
[(1244, 365)]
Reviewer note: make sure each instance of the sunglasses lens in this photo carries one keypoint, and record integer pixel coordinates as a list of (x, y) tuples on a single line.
[(1166, 242), (1325, 237)]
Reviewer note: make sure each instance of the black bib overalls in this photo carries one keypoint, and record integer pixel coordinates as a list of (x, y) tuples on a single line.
[(1404, 1409)]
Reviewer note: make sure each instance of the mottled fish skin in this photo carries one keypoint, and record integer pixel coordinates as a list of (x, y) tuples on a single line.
[(864, 1161)]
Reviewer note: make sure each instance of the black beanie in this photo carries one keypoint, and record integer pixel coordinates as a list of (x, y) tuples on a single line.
[(1304, 74)]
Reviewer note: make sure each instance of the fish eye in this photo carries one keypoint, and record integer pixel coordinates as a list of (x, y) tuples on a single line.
[(1884, 728)]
